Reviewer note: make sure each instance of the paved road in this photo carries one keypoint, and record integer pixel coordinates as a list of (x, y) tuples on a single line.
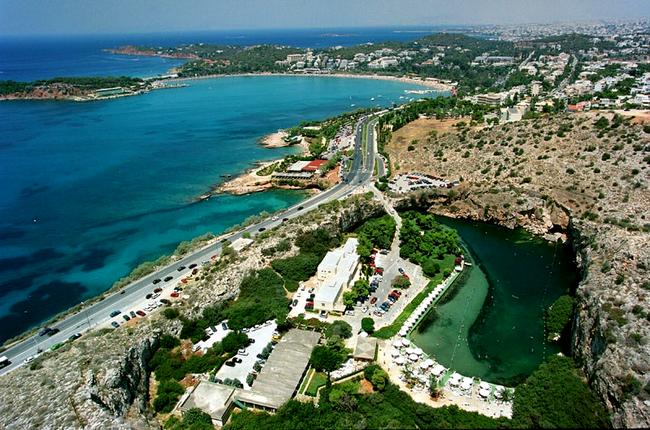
[(98, 313)]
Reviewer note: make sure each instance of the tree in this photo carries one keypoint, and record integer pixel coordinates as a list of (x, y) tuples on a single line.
[(431, 267), (170, 313), (368, 325), (326, 358), (339, 328), (379, 379), (234, 341), (196, 419)]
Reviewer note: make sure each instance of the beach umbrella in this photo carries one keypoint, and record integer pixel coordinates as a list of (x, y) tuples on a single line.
[(428, 362), (397, 343), (403, 332), (453, 381), (406, 342), (484, 385), (467, 384), (414, 357), (394, 353), (400, 360), (483, 392), (438, 370), (418, 351), (363, 334)]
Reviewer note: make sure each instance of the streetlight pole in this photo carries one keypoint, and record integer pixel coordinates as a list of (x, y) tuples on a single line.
[(86, 313)]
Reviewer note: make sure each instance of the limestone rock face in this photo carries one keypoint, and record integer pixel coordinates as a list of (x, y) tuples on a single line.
[(94, 383)]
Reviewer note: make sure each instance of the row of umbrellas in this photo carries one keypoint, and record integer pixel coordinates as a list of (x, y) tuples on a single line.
[(421, 309)]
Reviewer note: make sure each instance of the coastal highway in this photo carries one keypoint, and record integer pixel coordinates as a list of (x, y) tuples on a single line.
[(98, 313)]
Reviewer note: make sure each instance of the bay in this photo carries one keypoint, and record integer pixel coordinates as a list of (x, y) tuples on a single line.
[(92, 189)]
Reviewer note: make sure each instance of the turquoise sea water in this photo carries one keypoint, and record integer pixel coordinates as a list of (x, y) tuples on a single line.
[(89, 190), (491, 326)]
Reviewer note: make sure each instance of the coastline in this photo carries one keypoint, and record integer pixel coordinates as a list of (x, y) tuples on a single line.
[(249, 181), (432, 84), (85, 97)]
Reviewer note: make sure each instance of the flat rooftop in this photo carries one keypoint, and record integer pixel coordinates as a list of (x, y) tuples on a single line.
[(280, 376), (213, 399)]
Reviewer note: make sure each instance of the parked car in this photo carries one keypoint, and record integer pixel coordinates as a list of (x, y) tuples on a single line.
[(237, 360), (155, 281), (169, 278), (230, 363), (174, 294), (56, 346), (74, 336), (300, 208), (141, 313), (115, 313), (115, 324), (401, 270), (195, 271), (157, 290), (132, 314), (373, 300), (224, 326), (126, 317), (285, 219), (261, 229), (181, 268), (44, 331), (165, 301)]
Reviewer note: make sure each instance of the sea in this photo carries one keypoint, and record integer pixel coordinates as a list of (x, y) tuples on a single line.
[(90, 190)]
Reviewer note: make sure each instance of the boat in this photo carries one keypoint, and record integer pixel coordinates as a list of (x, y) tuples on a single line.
[(352, 105), (203, 197), (514, 297), (372, 98)]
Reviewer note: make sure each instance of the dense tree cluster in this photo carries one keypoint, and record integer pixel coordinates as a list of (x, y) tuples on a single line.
[(375, 233), (558, 315), (423, 238), (313, 247), (555, 396)]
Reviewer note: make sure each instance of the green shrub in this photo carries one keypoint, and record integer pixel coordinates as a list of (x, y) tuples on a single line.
[(368, 325)]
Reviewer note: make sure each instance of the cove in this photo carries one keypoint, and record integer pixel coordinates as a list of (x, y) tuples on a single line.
[(490, 324)]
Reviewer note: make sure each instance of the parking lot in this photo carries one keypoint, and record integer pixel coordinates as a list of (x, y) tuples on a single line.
[(240, 371), (416, 181)]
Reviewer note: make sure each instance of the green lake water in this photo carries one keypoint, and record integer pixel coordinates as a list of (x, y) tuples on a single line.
[(490, 324)]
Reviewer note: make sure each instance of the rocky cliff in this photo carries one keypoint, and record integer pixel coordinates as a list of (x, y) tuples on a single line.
[(562, 176)]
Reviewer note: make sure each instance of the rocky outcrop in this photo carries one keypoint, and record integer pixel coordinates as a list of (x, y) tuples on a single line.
[(54, 91), (100, 381)]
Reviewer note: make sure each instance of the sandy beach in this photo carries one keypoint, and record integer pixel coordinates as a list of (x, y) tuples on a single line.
[(433, 84)]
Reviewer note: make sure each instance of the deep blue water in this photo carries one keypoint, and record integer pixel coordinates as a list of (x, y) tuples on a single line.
[(89, 190), (26, 59)]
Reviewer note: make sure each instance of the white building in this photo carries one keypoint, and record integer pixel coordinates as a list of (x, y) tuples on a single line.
[(335, 273)]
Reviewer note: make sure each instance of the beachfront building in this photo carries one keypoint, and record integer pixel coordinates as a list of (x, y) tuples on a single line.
[(334, 274)]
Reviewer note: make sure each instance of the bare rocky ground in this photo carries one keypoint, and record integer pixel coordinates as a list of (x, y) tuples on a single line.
[(101, 380), (560, 175)]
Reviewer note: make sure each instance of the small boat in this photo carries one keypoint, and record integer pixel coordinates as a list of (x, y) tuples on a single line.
[(514, 297), (352, 105), (204, 197), (372, 98)]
